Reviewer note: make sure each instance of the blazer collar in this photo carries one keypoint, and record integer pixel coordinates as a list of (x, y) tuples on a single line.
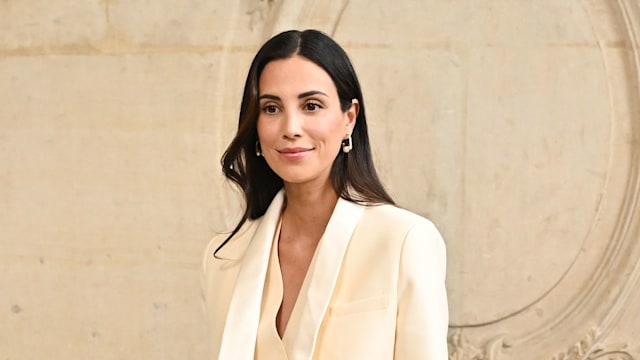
[(317, 289), (241, 326)]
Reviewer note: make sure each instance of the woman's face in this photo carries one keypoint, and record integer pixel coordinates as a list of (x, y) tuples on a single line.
[(301, 125)]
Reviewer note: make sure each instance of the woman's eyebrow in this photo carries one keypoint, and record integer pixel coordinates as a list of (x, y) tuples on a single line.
[(269, 96), (301, 96), (311, 93)]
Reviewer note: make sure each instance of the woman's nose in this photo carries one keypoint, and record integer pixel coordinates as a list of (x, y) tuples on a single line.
[(292, 125)]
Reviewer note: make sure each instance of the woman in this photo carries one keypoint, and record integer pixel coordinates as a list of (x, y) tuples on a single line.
[(322, 265)]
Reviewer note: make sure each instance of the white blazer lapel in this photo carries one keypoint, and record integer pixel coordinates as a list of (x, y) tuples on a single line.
[(320, 281), (241, 325)]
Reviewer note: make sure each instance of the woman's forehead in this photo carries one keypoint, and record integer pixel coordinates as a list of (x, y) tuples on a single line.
[(295, 74)]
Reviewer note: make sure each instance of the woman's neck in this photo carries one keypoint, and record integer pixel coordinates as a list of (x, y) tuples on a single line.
[(308, 208)]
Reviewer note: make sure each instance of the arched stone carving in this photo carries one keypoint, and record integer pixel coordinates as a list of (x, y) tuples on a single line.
[(597, 287)]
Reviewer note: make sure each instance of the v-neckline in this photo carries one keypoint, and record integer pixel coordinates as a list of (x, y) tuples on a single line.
[(296, 305), (244, 314)]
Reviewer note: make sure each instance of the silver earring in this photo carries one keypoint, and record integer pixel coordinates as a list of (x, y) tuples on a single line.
[(347, 145), (258, 149)]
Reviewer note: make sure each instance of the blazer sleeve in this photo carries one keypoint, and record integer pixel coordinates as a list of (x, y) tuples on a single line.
[(423, 314)]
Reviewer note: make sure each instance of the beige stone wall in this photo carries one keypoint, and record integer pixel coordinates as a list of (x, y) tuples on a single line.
[(514, 125)]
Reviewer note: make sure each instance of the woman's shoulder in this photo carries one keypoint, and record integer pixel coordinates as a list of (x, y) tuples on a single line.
[(395, 224), (391, 230), (235, 245), (393, 216)]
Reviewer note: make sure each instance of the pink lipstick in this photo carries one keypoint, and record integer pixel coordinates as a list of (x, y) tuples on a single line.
[(294, 153)]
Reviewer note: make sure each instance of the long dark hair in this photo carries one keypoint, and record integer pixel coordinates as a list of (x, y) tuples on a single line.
[(353, 175)]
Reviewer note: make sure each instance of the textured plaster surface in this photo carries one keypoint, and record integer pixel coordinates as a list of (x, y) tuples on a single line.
[(513, 125)]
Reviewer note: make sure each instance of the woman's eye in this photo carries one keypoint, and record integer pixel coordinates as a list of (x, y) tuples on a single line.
[(310, 106), (270, 109)]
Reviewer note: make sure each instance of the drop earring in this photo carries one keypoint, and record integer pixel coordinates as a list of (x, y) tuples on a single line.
[(258, 148), (347, 145)]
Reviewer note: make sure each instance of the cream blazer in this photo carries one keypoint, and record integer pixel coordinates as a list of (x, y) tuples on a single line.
[(375, 288)]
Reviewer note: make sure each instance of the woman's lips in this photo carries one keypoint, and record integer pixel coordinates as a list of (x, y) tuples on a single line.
[(294, 153)]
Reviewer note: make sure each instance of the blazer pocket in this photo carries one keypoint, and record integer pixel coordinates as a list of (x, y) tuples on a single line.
[(357, 306)]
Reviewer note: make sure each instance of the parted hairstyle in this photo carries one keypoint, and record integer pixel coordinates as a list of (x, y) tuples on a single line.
[(353, 175)]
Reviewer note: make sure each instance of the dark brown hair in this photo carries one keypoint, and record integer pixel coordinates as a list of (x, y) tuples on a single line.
[(353, 175)]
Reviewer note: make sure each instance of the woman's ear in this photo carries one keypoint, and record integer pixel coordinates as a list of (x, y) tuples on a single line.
[(352, 114)]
